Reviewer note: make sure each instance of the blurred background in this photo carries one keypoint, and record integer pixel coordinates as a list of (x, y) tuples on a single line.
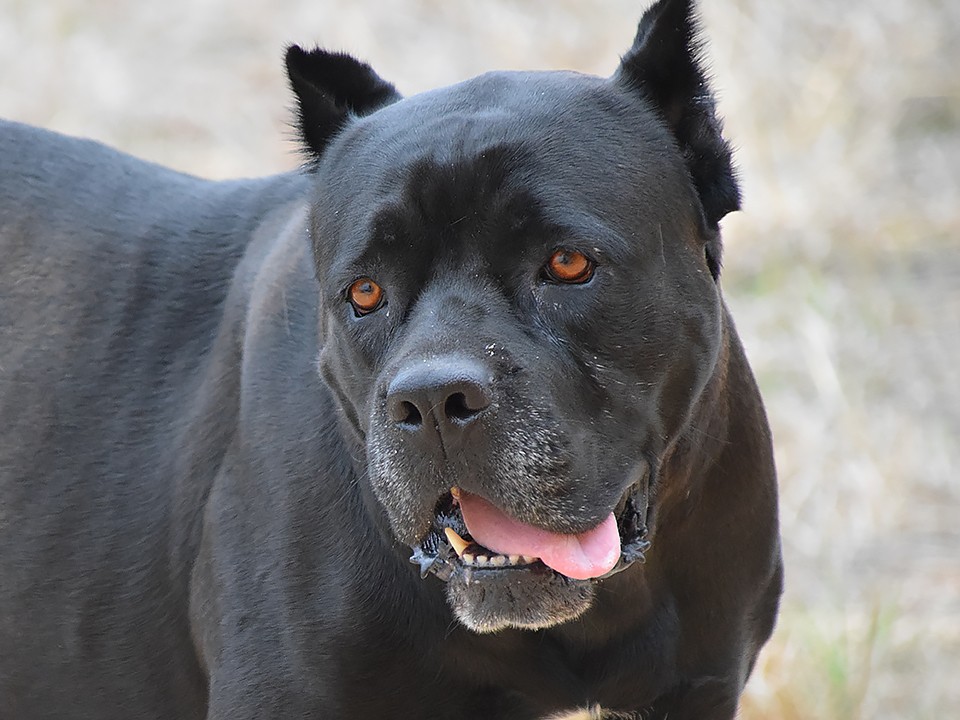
[(843, 270)]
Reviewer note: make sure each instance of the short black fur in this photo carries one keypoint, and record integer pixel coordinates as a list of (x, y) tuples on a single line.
[(209, 500)]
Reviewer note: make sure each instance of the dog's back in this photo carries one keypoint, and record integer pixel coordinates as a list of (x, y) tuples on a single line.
[(115, 282)]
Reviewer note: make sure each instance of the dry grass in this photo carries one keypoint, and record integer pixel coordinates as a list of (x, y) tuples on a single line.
[(843, 271)]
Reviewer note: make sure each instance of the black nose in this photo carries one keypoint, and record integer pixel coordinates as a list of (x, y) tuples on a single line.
[(442, 393)]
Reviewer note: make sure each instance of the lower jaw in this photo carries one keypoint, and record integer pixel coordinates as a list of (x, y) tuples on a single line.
[(527, 594), (533, 598)]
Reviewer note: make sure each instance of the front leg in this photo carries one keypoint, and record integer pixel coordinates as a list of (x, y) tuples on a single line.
[(704, 699), (598, 713), (709, 698)]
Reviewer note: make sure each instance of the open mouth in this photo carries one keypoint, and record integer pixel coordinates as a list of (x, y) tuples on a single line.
[(449, 549)]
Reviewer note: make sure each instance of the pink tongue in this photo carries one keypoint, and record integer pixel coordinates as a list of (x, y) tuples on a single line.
[(586, 555)]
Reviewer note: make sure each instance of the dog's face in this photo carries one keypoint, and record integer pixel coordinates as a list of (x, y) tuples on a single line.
[(519, 307)]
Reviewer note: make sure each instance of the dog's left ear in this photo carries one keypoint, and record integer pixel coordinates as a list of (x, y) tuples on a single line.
[(330, 88), (664, 65)]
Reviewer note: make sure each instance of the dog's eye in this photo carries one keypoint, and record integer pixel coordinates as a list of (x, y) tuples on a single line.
[(365, 296), (569, 266)]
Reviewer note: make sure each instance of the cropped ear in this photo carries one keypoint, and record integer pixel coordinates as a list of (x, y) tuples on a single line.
[(665, 65), (330, 88)]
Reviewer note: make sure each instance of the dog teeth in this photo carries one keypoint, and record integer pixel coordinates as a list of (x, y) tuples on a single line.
[(477, 560), (456, 542)]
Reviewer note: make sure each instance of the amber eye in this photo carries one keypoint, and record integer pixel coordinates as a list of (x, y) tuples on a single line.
[(365, 296), (569, 266)]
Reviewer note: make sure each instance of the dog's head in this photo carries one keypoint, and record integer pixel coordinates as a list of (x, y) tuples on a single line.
[(519, 305)]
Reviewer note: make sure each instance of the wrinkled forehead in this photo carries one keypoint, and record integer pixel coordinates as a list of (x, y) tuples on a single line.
[(557, 150), (503, 105)]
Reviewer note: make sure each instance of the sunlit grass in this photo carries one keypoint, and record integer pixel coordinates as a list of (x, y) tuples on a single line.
[(819, 665)]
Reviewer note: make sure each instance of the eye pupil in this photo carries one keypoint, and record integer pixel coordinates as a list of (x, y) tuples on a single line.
[(365, 296), (569, 266)]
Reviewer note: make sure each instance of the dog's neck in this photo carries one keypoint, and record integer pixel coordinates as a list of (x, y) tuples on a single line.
[(686, 463)]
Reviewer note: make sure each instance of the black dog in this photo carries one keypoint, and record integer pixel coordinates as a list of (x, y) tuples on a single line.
[(481, 331)]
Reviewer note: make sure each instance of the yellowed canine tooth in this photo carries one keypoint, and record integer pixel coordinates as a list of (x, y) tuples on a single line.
[(455, 491), (456, 542)]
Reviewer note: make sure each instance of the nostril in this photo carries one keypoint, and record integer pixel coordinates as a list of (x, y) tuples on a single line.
[(456, 407), (440, 395), (409, 415)]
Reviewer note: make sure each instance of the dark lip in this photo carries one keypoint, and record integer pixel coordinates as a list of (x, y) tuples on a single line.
[(434, 555)]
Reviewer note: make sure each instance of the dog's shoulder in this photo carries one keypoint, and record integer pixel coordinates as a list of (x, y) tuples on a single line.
[(92, 235), (119, 279)]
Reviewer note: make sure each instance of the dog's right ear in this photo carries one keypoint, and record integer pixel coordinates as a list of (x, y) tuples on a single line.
[(330, 88)]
